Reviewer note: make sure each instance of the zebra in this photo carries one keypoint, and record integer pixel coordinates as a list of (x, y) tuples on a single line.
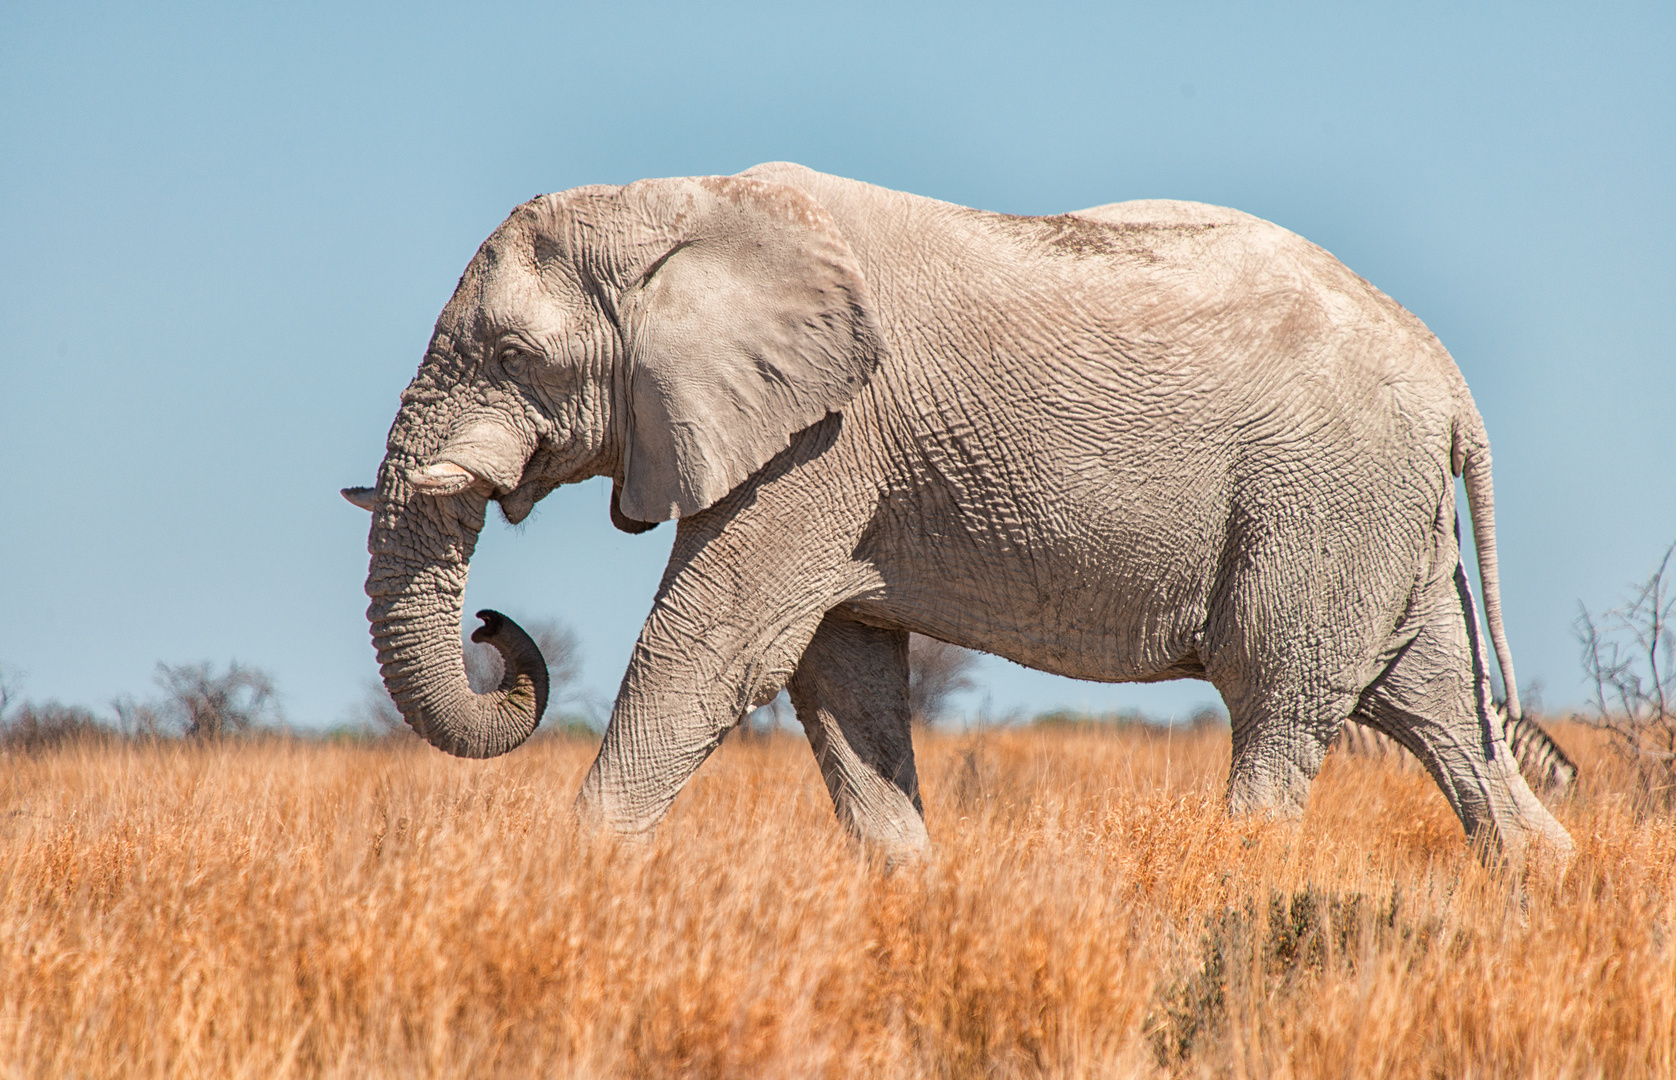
[(1548, 769)]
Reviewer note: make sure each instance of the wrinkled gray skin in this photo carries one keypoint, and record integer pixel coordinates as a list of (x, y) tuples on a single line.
[(1152, 440)]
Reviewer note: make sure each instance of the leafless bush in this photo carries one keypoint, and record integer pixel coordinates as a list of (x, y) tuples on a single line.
[(197, 702), (32, 728), (936, 672), (138, 719), (204, 705), (10, 680), (1630, 656)]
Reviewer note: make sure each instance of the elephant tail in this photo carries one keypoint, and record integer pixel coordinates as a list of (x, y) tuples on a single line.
[(1471, 461)]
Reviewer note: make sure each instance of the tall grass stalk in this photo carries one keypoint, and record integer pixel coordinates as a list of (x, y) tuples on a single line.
[(285, 908)]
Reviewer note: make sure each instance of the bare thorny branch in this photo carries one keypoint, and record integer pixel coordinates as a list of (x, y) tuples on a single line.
[(937, 672), (9, 680), (1630, 656)]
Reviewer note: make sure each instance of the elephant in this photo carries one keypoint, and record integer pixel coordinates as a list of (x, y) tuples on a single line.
[(1145, 441)]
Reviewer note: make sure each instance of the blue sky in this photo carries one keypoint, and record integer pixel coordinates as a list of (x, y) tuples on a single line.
[(225, 232)]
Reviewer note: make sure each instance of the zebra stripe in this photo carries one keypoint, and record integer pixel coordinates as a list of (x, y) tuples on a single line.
[(1546, 768)]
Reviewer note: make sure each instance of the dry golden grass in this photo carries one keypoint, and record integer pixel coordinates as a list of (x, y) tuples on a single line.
[(293, 909)]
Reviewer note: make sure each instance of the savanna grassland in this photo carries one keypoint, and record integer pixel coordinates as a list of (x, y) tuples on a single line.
[(270, 908)]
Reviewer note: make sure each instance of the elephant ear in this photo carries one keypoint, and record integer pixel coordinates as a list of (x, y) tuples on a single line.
[(749, 321)]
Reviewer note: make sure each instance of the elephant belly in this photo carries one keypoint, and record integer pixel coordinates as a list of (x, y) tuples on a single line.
[(1096, 596)]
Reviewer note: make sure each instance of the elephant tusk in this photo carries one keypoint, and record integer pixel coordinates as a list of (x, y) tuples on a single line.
[(444, 478), (364, 497)]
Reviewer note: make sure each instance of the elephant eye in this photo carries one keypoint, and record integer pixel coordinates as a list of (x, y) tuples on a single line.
[(515, 361)]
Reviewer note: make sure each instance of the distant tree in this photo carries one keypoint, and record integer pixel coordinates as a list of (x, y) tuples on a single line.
[(137, 719), (28, 727), (1629, 653), (936, 672), (205, 705), (32, 728), (1207, 716)]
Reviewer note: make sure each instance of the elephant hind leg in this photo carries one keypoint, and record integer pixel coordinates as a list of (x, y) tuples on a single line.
[(1287, 659), (1434, 698), (851, 694), (1280, 740)]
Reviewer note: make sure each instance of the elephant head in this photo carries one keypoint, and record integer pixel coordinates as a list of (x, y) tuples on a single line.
[(671, 334)]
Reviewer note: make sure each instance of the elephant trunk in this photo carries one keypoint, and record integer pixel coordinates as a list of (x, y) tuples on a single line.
[(421, 548)]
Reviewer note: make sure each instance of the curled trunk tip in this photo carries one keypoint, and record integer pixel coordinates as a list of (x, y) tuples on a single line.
[(522, 656)]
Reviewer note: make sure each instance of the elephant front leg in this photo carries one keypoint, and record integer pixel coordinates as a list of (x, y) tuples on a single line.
[(747, 586), (684, 689), (851, 694)]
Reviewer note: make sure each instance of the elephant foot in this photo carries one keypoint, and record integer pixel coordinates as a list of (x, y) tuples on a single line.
[(1269, 792), (901, 844)]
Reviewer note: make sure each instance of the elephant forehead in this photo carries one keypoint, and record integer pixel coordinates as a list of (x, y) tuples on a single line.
[(511, 297), (503, 291)]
